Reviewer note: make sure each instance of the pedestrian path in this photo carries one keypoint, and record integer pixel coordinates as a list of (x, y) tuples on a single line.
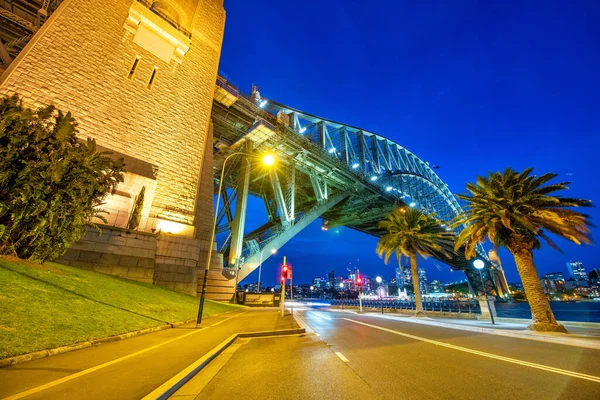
[(132, 368)]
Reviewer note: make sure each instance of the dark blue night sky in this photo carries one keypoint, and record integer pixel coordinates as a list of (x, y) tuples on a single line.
[(472, 86)]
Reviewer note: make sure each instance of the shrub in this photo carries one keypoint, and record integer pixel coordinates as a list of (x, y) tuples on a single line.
[(51, 183)]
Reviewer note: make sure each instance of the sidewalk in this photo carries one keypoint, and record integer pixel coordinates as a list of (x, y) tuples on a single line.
[(580, 334), (132, 368)]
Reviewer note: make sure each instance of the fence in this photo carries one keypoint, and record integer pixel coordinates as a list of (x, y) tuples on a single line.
[(444, 306)]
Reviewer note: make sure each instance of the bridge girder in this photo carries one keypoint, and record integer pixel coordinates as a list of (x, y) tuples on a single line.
[(328, 159)]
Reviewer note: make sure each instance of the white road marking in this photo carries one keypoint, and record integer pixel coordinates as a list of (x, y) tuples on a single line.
[(96, 368), (484, 354), (341, 356)]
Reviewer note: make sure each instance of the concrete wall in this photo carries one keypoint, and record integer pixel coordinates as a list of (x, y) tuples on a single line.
[(115, 252)]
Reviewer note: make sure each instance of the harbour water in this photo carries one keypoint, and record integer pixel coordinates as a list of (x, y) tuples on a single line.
[(563, 311)]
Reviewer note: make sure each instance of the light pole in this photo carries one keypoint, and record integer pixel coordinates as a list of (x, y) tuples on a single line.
[(342, 294), (479, 264), (268, 160), (273, 251), (379, 280)]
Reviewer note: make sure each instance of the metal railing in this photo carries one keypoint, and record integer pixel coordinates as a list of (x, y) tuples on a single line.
[(442, 306)]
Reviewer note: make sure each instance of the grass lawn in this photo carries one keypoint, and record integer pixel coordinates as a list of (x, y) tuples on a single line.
[(51, 305)]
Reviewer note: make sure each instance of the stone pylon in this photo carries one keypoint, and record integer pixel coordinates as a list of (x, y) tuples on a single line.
[(139, 77)]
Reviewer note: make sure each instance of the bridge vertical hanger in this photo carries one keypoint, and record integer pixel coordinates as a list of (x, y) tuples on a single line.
[(362, 153), (280, 199), (385, 152), (291, 192), (239, 221), (344, 145), (375, 154), (320, 187)]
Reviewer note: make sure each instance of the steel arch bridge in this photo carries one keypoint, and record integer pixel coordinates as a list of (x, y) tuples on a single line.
[(345, 175)]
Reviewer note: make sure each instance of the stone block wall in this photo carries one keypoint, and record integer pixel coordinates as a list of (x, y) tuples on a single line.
[(115, 252), (176, 263), (81, 61)]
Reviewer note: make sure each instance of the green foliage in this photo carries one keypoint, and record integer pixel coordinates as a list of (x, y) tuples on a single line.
[(410, 232), (136, 213), (517, 208), (51, 184)]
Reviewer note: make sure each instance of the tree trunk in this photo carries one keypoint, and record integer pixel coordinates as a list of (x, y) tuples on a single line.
[(543, 318), (416, 287)]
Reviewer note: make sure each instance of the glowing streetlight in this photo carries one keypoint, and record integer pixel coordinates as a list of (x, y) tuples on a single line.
[(378, 279), (341, 285), (268, 160)]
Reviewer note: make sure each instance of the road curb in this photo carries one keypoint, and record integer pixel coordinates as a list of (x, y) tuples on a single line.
[(540, 337), (36, 355), (167, 389)]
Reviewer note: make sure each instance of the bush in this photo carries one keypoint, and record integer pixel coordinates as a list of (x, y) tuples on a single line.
[(51, 183)]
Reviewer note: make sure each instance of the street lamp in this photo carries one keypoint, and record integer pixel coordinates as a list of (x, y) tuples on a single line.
[(479, 264), (268, 160), (379, 280), (273, 251)]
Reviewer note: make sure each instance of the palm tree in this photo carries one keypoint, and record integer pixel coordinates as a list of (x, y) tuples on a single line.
[(515, 210), (411, 233)]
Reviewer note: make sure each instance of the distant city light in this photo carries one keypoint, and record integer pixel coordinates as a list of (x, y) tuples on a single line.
[(355, 165), (388, 188), (373, 178), (332, 150), (262, 104)]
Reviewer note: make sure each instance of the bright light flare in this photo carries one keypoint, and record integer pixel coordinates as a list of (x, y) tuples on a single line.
[(268, 160)]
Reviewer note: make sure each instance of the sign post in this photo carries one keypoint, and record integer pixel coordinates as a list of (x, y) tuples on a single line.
[(284, 273), (359, 284)]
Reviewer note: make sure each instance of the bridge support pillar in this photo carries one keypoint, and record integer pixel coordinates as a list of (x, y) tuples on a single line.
[(239, 220), (486, 304)]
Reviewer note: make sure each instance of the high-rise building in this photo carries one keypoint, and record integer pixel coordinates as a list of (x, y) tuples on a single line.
[(577, 271), (556, 281), (423, 287), (331, 279), (436, 286), (595, 276)]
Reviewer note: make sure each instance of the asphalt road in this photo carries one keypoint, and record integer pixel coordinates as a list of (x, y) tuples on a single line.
[(354, 356)]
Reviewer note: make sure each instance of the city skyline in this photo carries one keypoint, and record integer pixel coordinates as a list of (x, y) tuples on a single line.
[(457, 93)]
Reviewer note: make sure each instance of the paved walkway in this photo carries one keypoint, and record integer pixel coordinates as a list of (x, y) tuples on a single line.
[(132, 368)]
